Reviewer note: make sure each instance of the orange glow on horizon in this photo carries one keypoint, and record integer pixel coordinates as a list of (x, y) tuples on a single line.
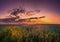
[(51, 18), (42, 21)]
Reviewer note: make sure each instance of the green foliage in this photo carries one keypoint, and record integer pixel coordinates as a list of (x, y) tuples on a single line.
[(19, 34)]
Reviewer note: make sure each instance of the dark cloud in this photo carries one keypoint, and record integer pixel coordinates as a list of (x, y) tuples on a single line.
[(10, 20), (16, 11)]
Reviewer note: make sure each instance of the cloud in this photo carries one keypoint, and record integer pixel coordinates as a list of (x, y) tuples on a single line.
[(17, 10)]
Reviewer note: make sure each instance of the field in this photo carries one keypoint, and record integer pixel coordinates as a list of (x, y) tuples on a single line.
[(30, 33)]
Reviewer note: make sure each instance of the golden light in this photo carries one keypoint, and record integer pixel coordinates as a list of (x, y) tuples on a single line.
[(39, 21), (46, 20)]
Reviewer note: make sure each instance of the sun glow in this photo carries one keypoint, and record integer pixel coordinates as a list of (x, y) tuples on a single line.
[(46, 20), (39, 21)]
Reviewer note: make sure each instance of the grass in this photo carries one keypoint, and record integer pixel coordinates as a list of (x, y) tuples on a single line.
[(21, 34)]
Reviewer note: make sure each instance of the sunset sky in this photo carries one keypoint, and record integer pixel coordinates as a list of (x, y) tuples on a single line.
[(48, 8)]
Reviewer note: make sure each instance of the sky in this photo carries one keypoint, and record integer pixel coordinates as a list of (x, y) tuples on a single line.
[(48, 8)]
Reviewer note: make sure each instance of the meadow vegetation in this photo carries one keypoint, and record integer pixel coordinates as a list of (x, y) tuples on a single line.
[(20, 34)]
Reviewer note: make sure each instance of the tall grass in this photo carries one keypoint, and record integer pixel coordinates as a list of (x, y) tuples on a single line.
[(19, 34)]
